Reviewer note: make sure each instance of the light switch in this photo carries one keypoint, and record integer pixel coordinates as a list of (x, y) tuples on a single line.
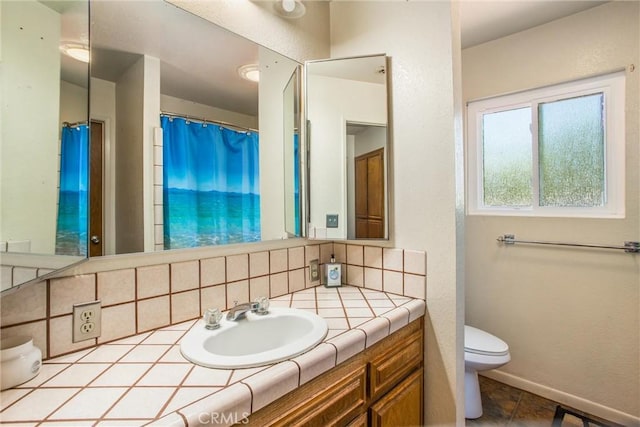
[(332, 220)]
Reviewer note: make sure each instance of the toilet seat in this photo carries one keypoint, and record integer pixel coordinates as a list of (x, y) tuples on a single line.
[(477, 341)]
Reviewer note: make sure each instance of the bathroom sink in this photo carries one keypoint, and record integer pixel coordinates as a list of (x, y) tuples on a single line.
[(254, 340)]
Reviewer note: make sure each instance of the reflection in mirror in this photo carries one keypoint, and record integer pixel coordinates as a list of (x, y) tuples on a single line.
[(347, 118), (292, 163), (152, 59), (44, 143)]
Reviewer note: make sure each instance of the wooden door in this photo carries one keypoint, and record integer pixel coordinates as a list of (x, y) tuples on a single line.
[(402, 406), (369, 195), (95, 189)]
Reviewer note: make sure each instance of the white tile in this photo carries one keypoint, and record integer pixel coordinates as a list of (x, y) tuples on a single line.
[(136, 339), (146, 353), (107, 353), (357, 321), (272, 383), (398, 318), (65, 423), (174, 355), (7, 397), (170, 420), (237, 267), (416, 309), (141, 402), (381, 303), (89, 403), (359, 312), (232, 401), (303, 304), (122, 423), (201, 376), (70, 358), (278, 261), (355, 303), (316, 361), (349, 344), (164, 337), (373, 257), (121, 374), (376, 329), (329, 303), (78, 375), (415, 262), (186, 396), (166, 374), (415, 286), (259, 264), (337, 323), (47, 371), (296, 258), (239, 374), (392, 259), (38, 405), (331, 312), (184, 326), (392, 282), (355, 255)]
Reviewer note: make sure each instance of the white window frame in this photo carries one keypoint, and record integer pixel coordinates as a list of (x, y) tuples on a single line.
[(613, 88)]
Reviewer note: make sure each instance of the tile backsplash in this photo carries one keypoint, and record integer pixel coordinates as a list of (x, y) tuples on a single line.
[(145, 298)]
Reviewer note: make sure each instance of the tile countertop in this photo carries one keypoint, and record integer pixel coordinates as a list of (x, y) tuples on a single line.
[(144, 380)]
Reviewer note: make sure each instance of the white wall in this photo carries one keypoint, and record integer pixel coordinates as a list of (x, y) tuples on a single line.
[(570, 316), (420, 39), (275, 72), (30, 92), (171, 104), (331, 103), (138, 115)]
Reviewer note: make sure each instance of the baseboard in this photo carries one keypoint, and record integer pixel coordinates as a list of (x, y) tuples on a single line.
[(571, 400)]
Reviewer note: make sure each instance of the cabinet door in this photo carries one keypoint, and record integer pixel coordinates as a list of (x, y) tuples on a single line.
[(402, 406)]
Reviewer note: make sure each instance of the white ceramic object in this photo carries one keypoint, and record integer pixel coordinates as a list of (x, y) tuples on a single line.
[(482, 351), (20, 361), (255, 340)]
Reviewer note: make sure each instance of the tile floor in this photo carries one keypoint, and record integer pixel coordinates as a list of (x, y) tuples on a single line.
[(504, 405)]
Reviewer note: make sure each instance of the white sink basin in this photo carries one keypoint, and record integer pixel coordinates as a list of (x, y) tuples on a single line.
[(255, 340)]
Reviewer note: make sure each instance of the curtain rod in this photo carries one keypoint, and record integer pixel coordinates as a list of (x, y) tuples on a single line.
[(76, 124), (214, 122)]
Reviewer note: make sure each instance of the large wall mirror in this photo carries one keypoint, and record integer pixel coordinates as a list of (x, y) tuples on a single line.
[(194, 148), (347, 120), (157, 72), (44, 138)]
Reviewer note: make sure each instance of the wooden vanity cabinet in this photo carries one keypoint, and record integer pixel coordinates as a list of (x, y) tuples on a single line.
[(379, 387)]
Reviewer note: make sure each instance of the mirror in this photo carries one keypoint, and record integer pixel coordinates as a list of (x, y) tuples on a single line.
[(44, 142), (347, 119), (152, 58)]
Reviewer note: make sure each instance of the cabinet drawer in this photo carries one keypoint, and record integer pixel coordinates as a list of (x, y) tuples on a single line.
[(397, 362), (337, 405)]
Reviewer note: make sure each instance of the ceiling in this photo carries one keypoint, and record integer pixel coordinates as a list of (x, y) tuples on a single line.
[(191, 60), (482, 21)]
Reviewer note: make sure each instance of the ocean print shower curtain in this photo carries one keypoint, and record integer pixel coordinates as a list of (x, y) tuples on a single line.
[(211, 184), (73, 200)]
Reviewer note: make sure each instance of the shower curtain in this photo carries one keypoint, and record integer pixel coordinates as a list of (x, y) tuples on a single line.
[(73, 201), (210, 184)]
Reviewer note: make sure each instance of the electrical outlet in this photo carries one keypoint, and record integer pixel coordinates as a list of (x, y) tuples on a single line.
[(87, 321), (314, 270)]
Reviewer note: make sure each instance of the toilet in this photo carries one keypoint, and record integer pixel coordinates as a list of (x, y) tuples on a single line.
[(482, 351)]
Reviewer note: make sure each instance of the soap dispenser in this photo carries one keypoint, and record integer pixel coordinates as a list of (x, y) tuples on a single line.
[(334, 273)]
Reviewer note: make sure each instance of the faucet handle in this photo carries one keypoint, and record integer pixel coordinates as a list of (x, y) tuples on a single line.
[(212, 317), (262, 305)]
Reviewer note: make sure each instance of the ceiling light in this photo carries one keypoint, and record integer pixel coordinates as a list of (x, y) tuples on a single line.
[(250, 72), (290, 9), (76, 51)]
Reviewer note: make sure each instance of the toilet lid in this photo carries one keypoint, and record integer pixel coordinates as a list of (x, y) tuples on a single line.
[(480, 342)]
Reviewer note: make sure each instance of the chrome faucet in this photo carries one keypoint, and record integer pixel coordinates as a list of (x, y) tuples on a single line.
[(260, 306), (240, 310)]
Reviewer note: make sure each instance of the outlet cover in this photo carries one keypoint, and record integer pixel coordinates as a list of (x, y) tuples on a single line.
[(332, 220), (87, 321), (314, 270)]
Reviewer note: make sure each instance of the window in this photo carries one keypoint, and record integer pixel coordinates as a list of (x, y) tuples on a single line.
[(553, 151)]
